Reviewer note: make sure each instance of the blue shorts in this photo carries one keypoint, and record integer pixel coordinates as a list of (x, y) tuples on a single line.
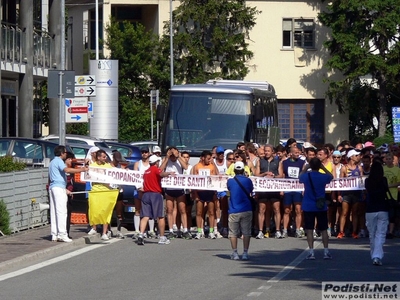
[(174, 193), (221, 195), (206, 196), (152, 205), (290, 198)]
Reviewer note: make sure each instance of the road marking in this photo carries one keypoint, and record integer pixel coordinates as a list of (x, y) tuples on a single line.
[(289, 268), (285, 271), (55, 260)]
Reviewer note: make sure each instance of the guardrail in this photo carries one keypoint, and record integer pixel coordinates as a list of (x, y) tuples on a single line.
[(24, 193)]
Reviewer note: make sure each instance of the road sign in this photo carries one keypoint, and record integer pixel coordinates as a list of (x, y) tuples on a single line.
[(85, 86), (396, 123), (76, 110), (85, 80), (85, 91), (53, 83), (90, 109)]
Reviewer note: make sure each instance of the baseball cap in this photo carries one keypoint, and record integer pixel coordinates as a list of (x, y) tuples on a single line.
[(369, 144), (220, 149), (93, 149), (156, 149), (308, 145), (352, 152), (337, 153), (144, 149), (153, 159), (239, 166)]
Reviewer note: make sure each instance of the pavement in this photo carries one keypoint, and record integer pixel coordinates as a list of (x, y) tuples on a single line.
[(36, 242)]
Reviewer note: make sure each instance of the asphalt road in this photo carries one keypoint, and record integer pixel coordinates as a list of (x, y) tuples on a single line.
[(195, 269)]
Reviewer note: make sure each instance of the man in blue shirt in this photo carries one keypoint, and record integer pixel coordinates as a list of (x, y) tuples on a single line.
[(240, 210), (314, 189), (59, 194)]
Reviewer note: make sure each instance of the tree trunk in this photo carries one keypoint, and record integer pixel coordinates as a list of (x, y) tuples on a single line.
[(382, 97)]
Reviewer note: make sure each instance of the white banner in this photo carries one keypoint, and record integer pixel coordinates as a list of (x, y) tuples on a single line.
[(217, 182)]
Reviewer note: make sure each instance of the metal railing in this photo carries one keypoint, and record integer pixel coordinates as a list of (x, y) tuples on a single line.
[(13, 48)]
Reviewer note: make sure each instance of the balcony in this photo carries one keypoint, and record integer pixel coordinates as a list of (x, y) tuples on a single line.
[(13, 51)]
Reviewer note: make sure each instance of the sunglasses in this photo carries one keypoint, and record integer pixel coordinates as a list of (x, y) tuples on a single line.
[(231, 158), (145, 151)]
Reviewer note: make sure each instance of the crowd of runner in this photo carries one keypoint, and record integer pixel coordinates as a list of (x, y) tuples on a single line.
[(276, 214)]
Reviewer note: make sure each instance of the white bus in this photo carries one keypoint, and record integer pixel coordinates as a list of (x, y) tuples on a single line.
[(219, 113)]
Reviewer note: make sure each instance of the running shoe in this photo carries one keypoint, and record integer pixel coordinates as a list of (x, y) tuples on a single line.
[(310, 256), (140, 239), (199, 235), (135, 234), (327, 255), (151, 235), (354, 235), (186, 235), (119, 235), (212, 236), (235, 256), (105, 237), (260, 235), (278, 234), (245, 256), (298, 234), (340, 235), (164, 241), (92, 232), (218, 234), (376, 262), (170, 235), (284, 234)]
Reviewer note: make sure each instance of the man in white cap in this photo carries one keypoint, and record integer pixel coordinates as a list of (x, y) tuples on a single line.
[(156, 150), (152, 200), (240, 210), (91, 155), (350, 199)]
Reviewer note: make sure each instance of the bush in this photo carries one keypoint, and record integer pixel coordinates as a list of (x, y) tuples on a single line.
[(7, 164), (4, 218)]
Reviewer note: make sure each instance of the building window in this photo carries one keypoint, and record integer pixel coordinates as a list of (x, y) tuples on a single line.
[(298, 33), (302, 120)]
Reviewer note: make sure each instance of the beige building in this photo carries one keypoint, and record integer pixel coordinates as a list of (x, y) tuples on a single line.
[(287, 45)]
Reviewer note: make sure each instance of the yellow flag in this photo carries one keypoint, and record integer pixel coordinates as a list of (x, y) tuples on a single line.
[(101, 205)]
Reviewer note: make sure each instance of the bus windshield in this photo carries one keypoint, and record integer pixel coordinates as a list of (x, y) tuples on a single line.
[(197, 121)]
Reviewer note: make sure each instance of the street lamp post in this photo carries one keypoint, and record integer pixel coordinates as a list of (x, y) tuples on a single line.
[(171, 43)]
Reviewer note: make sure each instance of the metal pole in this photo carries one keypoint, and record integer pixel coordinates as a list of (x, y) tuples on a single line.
[(151, 114), (171, 43), (62, 68), (97, 30)]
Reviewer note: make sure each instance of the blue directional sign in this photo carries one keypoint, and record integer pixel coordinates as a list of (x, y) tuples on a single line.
[(90, 109), (77, 117), (396, 123)]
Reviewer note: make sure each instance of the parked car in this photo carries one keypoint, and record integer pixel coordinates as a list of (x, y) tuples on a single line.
[(131, 153), (81, 150), (33, 152), (149, 144), (77, 139)]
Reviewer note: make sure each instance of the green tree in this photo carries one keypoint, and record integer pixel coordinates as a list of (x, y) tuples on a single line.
[(364, 41), (211, 39), (141, 68)]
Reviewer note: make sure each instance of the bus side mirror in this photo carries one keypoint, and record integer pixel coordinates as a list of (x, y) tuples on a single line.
[(258, 113), (160, 112)]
